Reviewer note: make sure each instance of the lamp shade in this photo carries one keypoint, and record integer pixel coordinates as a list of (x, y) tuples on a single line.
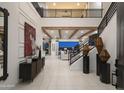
[(104, 55), (86, 49), (99, 44)]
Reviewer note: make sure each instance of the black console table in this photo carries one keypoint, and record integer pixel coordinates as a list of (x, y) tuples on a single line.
[(28, 71)]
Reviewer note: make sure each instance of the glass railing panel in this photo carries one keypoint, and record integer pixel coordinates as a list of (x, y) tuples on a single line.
[(72, 13)]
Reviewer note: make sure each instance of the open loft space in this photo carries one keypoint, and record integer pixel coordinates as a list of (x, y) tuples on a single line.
[(69, 9), (61, 46)]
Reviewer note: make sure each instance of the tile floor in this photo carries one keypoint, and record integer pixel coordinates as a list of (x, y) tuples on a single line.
[(56, 75)]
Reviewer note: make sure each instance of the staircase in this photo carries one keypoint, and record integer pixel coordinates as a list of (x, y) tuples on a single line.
[(76, 54)]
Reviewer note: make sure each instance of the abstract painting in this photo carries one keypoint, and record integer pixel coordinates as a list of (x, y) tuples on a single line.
[(29, 37)]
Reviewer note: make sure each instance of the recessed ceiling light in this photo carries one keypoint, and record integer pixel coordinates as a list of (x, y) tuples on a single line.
[(78, 4), (52, 31), (82, 32), (66, 32), (54, 4)]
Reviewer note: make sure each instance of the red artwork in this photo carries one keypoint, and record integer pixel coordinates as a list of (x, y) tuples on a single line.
[(30, 36)]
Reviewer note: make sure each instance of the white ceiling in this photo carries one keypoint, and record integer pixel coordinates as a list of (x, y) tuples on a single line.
[(65, 34), (66, 5), (79, 33), (53, 33)]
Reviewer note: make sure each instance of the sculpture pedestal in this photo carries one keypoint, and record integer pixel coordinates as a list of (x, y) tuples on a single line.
[(86, 64), (98, 61), (105, 72)]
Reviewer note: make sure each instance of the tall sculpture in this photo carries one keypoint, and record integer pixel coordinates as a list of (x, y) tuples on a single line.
[(99, 44), (86, 50), (103, 68), (104, 55)]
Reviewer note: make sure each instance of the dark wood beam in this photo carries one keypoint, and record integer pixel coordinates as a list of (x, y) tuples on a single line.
[(73, 33), (60, 34), (86, 33), (45, 32), (69, 28)]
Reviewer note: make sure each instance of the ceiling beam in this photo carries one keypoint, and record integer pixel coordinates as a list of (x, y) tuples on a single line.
[(60, 35), (45, 32), (86, 33), (69, 28), (73, 33)]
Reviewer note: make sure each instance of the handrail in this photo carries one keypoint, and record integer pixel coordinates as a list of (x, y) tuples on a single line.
[(110, 12), (75, 54), (78, 50), (71, 62)]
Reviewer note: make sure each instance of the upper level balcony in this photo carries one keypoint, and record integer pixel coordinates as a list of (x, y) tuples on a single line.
[(69, 10), (72, 13)]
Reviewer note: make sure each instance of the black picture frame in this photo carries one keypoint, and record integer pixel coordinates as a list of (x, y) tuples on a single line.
[(5, 44)]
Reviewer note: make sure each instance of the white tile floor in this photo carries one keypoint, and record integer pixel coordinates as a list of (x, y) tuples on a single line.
[(57, 76)]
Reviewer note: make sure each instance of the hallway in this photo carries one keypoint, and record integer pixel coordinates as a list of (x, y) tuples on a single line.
[(56, 75)]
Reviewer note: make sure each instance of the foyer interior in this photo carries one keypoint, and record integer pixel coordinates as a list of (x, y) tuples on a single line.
[(61, 45)]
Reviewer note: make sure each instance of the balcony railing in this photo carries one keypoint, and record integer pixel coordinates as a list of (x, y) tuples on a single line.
[(72, 13), (107, 17)]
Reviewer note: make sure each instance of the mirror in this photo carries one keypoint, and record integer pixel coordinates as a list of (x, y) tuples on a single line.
[(3, 43)]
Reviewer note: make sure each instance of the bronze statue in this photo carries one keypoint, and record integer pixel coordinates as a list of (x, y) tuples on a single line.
[(99, 44), (86, 50), (104, 55)]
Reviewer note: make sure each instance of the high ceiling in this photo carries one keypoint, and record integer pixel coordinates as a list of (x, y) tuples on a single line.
[(68, 32), (70, 5), (65, 5)]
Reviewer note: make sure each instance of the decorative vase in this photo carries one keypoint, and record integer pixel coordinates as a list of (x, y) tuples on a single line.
[(28, 59), (104, 55), (86, 50), (99, 44)]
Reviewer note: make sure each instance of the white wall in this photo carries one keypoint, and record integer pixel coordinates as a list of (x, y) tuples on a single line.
[(94, 5), (72, 22), (109, 36), (19, 13), (92, 60), (78, 65)]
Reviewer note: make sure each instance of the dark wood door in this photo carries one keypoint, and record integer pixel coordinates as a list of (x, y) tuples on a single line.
[(120, 45)]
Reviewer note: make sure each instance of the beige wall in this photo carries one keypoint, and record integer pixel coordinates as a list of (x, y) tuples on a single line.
[(67, 6)]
